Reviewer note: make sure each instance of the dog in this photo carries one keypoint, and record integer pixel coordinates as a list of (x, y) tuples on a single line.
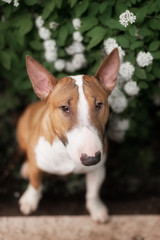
[(65, 132)]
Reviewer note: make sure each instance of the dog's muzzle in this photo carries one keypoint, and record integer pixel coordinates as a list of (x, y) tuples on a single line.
[(89, 160)]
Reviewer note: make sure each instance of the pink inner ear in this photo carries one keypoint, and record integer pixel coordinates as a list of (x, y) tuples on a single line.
[(41, 86), (108, 70), (42, 81), (109, 78)]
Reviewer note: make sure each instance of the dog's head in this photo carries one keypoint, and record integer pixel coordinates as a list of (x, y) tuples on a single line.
[(78, 106)]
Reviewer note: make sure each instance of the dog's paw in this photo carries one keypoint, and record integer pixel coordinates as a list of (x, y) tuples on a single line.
[(29, 201), (27, 206), (98, 210)]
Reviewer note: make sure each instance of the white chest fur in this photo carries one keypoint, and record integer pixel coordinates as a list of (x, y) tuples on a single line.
[(54, 159)]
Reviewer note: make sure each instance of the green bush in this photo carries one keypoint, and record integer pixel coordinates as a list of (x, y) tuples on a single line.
[(24, 28)]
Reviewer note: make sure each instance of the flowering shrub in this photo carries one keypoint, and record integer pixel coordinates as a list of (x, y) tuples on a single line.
[(74, 37)]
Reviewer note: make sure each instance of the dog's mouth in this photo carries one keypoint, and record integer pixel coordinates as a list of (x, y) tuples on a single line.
[(90, 160)]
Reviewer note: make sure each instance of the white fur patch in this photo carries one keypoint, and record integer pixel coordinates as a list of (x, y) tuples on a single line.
[(83, 108), (53, 158), (82, 140), (30, 199)]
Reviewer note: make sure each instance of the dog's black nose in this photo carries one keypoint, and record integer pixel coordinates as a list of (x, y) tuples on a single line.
[(88, 160)]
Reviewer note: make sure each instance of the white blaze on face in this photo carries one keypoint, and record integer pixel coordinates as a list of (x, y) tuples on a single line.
[(83, 108), (83, 138)]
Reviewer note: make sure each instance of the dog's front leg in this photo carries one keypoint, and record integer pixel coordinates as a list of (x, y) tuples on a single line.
[(94, 204), (30, 199)]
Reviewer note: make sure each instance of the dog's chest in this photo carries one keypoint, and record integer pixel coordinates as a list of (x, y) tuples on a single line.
[(54, 158)]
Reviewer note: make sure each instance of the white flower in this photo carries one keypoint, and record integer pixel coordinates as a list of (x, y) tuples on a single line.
[(117, 127), (79, 61), (122, 124), (77, 36), (144, 59), (110, 44), (117, 136), (69, 67), (44, 33), (120, 81), (49, 45), (75, 47), (50, 56), (121, 53), (118, 124), (127, 17), (39, 22), (131, 88), (16, 3), (117, 101), (126, 70), (53, 25), (7, 1), (59, 65), (76, 23)]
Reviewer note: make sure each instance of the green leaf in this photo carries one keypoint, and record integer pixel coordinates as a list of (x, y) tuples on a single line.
[(156, 70), (130, 57), (31, 2), (25, 27), (114, 24), (143, 85), (11, 39), (145, 31), (93, 9), (132, 30), (7, 10), (81, 7), (120, 7), (154, 45), (140, 73), (63, 33), (2, 41), (123, 41), (59, 3), (96, 31), (23, 22), (4, 26), (103, 6), (5, 60), (48, 9), (154, 24), (105, 17), (141, 13), (72, 3), (152, 7), (88, 23), (136, 44), (97, 34), (95, 41), (156, 55), (36, 45), (20, 39)]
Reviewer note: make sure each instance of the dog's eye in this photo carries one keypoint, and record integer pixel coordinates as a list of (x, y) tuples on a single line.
[(99, 106), (65, 109)]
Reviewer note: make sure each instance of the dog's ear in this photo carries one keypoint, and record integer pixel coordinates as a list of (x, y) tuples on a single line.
[(108, 70), (42, 81)]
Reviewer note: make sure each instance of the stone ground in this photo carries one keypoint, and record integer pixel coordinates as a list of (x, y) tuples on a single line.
[(120, 227)]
